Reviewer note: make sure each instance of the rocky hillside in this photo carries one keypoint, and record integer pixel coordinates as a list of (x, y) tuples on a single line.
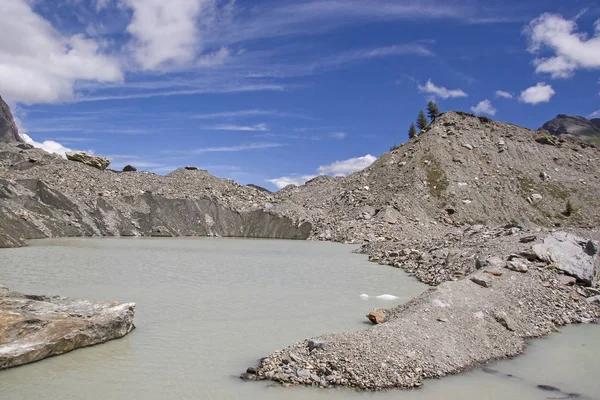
[(575, 127), (8, 128), (461, 170)]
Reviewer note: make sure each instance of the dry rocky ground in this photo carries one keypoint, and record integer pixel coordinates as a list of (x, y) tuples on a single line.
[(460, 207)]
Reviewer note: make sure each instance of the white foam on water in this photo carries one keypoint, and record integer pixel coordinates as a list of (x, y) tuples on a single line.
[(387, 297)]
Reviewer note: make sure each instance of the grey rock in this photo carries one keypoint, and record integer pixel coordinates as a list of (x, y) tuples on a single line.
[(248, 377), (505, 320), (315, 344), (489, 262), (129, 168), (482, 280), (100, 163), (569, 253), (518, 265), (35, 327), (528, 239), (8, 129)]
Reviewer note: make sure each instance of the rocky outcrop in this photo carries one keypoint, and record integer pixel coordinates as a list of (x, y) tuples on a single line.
[(34, 327), (8, 129), (571, 254), (100, 163), (575, 127)]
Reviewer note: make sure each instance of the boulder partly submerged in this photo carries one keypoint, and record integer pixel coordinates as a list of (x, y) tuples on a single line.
[(35, 327), (100, 163)]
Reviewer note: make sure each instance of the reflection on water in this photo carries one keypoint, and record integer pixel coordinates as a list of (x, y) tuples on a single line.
[(208, 308)]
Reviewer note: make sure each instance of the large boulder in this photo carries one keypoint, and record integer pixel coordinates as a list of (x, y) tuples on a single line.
[(93, 161), (571, 254), (35, 327)]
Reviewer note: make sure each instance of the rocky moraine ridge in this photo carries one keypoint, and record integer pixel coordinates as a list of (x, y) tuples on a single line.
[(500, 220)]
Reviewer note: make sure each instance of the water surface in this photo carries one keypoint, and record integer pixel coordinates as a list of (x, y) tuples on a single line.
[(208, 308)]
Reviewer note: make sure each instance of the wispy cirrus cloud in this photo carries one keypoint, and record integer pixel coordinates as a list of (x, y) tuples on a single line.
[(503, 94), (242, 128), (229, 149)]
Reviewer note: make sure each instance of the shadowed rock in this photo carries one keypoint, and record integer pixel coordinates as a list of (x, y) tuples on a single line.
[(8, 128)]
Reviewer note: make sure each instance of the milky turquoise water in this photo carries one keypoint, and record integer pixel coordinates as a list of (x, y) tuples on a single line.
[(209, 308)]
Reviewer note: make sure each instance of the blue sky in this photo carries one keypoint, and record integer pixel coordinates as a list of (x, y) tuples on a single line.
[(275, 92)]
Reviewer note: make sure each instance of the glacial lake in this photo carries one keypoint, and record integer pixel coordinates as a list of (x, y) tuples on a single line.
[(208, 308)]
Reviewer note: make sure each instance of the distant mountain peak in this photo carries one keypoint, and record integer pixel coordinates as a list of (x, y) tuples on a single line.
[(8, 129), (575, 127)]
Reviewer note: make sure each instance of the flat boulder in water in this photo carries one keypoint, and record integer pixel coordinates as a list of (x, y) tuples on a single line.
[(34, 327)]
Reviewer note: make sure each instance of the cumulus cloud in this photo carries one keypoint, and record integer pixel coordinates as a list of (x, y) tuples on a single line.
[(48, 145), (484, 107), (572, 50), (346, 167), (338, 168), (296, 180), (540, 93), (166, 32), (503, 94), (595, 114), (440, 91), (40, 65), (213, 59)]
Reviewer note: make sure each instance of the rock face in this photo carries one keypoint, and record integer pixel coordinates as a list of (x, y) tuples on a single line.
[(93, 161), (35, 327), (573, 255), (8, 128), (574, 127)]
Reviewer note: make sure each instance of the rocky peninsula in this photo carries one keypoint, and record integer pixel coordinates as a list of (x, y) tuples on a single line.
[(500, 220)]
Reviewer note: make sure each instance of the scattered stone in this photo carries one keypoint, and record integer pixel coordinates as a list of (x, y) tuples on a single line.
[(544, 176), (548, 388), (494, 272), (25, 146), (505, 320), (468, 146), (482, 280), (376, 317), (248, 376), (489, 262), (567, 280), (129, 168), (528, 239), (517, 265), (100, 163), (190, 168), (315, 344)]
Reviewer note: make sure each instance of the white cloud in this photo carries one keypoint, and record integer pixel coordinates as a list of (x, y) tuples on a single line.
[(296, 180), (228, 149), (572, 50), (48, 145), (595, 114), (214, 59), (338, 168), (338, 135), (503, 94), (440, 91), (540, 93), (346, 167), (166, 32), (484, 107), (39, 65), (253, 128)]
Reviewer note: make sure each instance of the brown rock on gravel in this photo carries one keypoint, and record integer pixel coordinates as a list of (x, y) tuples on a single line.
[(376, 317)]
